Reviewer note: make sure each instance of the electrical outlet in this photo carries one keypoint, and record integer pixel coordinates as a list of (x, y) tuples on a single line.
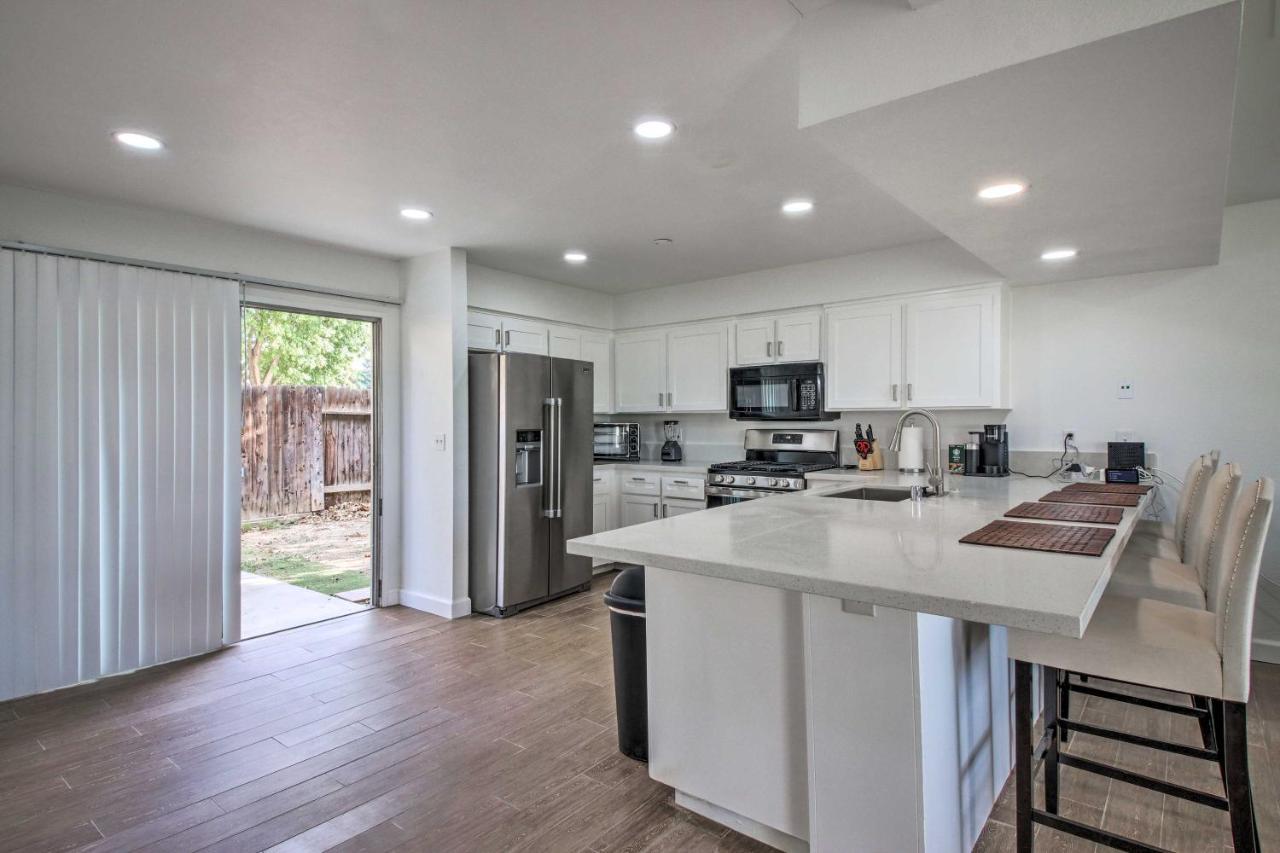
[(1068, 435), (1125, 391), (440, 441), (1126, 435)]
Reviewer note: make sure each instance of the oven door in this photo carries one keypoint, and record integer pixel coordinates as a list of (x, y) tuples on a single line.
[(780, 392), (725, 495)]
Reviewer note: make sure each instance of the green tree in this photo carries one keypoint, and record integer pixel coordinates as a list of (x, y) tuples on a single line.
[(286, 348)]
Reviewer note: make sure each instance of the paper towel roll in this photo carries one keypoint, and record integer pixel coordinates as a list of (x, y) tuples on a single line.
[(911, 449)]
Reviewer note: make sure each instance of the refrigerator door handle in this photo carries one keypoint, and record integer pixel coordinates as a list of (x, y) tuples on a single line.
[(551, 487)]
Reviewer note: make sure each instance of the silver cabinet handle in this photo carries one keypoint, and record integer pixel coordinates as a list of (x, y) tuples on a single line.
[(668, 399), (895, 392), (597, 479), (637, 479), (497, 337), (768, 349), (908, 390), (659, 399), (507, 341), (681, 482), (779, 349), (664, 510), (655, 510)]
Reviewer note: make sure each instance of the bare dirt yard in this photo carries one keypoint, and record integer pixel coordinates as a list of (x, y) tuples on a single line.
[(327, 551)]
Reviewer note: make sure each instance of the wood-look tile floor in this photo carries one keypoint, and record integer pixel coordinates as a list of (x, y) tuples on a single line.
[(397, 730)]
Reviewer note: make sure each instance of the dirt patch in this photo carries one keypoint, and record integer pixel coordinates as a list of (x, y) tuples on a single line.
[(328, 551)]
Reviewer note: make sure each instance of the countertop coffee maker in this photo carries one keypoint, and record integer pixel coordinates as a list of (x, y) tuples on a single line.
[(671, 450), (991, 458)]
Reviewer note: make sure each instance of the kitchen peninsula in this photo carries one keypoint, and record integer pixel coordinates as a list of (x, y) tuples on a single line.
[(829, 673)]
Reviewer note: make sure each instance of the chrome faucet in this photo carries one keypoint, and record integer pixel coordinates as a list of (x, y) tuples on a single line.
[(936, 472)]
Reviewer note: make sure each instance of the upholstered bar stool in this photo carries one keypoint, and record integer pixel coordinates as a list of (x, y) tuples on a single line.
[(1168, 539), (1139, 575), (1204, 653)]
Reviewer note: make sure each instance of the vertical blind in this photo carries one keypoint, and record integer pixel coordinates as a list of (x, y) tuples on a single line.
[(119, 468)]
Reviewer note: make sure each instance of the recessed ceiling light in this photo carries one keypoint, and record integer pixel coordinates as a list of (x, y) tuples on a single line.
[(996, 191), (140, 141), (797, 205), (657, 128), (575, 257), (1063, 254), (662, 241), (415, 213)]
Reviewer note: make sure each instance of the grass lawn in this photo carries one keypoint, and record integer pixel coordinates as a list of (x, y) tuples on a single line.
[(302, 572)]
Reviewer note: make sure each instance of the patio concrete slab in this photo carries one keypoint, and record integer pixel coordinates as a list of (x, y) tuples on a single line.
[(267, 605)]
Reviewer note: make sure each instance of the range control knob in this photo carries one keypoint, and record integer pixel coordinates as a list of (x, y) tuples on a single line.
[(728, 479), (751, 481), (777, 482)]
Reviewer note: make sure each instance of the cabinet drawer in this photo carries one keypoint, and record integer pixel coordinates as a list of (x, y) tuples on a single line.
[(683, 487), (640, 482), (602, 482)]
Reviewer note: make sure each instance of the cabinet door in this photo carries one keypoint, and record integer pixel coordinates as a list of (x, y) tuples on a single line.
[(637, 509), (484, 331), (754, 340), (565, 342), (698, 368), (952, 350), (524, 336), (640, 371), (864, 356), (799, 337), (675, 506), (597, 348)]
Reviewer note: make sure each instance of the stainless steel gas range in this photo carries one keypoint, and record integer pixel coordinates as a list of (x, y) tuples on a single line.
[(777, 461)]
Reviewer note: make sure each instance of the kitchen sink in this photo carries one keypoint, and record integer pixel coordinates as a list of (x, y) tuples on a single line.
[(873, 493)]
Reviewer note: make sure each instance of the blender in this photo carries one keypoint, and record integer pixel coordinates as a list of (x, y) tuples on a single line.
[(671, 451)]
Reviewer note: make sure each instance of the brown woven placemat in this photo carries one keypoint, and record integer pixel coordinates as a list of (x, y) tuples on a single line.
[(1060, 538), (1068, 512), (1115, 488), (1100, 498)]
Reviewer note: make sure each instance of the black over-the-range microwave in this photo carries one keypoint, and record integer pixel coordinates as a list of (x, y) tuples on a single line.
[(778, 392)]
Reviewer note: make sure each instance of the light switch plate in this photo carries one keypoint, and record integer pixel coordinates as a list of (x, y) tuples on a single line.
[(1125, 390), (1125, 435), (440, 441)]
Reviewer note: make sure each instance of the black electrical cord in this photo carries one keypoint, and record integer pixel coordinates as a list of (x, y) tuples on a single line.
[(1062, 463)]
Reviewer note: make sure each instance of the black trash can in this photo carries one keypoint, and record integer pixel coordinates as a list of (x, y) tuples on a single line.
[(626, 621)]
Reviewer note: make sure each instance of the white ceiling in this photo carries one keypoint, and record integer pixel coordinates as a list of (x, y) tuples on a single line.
[(1124, 142), (511, 121), (321, 118)]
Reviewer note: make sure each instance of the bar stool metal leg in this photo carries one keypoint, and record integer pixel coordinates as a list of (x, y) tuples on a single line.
[(1235, 756), (1051, 690), (1023, 775)]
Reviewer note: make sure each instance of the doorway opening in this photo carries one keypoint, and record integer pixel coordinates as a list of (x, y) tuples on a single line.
[(308, 463)]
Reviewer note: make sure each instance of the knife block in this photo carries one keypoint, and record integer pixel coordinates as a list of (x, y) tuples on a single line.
[(874, 460)]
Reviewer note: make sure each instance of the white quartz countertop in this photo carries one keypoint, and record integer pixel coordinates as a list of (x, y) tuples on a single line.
[(686, 467), (904, 555)]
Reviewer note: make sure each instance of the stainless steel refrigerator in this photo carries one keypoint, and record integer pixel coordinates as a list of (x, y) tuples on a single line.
[(531, 433)]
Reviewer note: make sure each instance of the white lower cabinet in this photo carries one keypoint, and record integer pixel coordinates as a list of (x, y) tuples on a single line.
[(637, 509), (680, 506)]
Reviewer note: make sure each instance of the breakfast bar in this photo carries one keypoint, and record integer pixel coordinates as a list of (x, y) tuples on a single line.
[(828, 669)]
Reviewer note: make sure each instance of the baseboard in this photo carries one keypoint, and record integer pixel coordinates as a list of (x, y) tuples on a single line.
[(745, 825), (454, 609)]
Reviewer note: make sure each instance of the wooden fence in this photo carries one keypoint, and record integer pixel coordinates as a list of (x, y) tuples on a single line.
[(301, 444)]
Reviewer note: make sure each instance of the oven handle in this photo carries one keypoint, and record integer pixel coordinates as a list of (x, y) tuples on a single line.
[(746, 494)]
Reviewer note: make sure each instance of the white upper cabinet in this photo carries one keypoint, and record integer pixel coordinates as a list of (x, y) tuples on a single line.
[(484, 331), (799, 336), (519, 335), (676, 369), (953, 350), (698, 368), (597, 348), (640, 371), (565, 342), (754, 340), (505, 334), (864, 356), (778, 338), (936, 351)]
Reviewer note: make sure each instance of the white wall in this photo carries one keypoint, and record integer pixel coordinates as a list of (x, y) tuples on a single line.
[(434, 402), (496, 290), (88, 225), (919, 266), (1201, 347)]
